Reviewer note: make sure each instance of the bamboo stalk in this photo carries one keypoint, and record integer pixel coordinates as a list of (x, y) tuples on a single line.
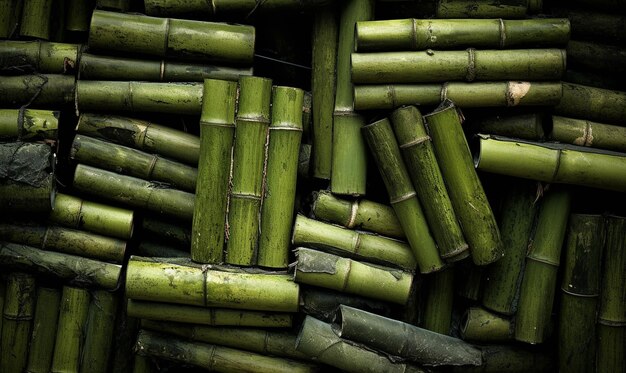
[(610, 357), (167, 230), (592, 24), (479, 94), (506, 358), (350, 276), (382, 143), (99, 332), (118, 5), (437, 316), (36, 19), (44, 330), (37, 56), (323, 303), (542, 262), (69, 339), (18, 313), (229, 7), (483, 326), (524, 126), (486, 9), (8, 17), (609, 59), (160, 250), (30, 125), (45, 90), (466, 192), (591, 103), (279, 190), (587, 133)]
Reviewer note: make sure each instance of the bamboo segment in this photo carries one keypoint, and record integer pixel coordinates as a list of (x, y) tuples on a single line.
[(386, 152), (419, 34), (17, 317), (483, 326), (78, 13), (74, 269), (206, 316), (221, 8), (44, 330), (591, 24), (99, 332), (465, 95), (134, 192), (217, 128), (437, 316), (611, 348), (214, 358), (95, 67), (524, 126), (30, 125), (167, 231), (358, 214), (551, 163), (608, 59), (419, 156), (486, 8), (542, 262), (466, 192), (164, 282), (346, 275), (172, 38), (142, 135), (160, 250), (367, 247), (36, 19), (7, 18), (587, 133), (252, 125), (128, 161), (323, 77), (42, 89), (323, 303), (591, 103), (285, 134), (497, 359), (72, 319), (37, 56), (503, 279), (118, 5)]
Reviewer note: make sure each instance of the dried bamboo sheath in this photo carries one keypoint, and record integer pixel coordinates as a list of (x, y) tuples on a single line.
[(28, 125)]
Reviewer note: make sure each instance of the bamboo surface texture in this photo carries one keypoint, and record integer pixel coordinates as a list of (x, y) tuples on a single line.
[(40, 56), (35, 21), (596, 104), (587, 133), (30, 125), (486, 8), (437, 311), (72, 319), (44, 330)]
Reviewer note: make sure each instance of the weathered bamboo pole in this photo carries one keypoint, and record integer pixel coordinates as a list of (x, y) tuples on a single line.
[(479, 94), (28, 125), (437, 316), (44, 330), (507, 358), (524, 126), (593, 24), (98, 332), (36, 19), (279, 190), (72, 321), (587, 133), (77, 15), (37, 56), (43, 90), (221, 8), (591, 103), (167, 231), (487, 8), (609, 60), (323, 303), (483, 326)]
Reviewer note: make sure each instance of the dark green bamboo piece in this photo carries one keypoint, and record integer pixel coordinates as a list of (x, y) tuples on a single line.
[(72, 321), (587, 133), (609, 60), (36, 19), (161, 250), (466, 192), (593, 24), (542, 262), (17, 317), (44, 330), (221, 8), (45, 90), (593, 79), (522, 126), (31, 125), (483, 326), (469, 285), (596, 104), (37, 56), (78, 14), (117, 5), (323, 303), (507, 358), (142, 364), (382, 142), (9, 14), (487, 8), (166, 230), (285, 134), (99, 332), (437, 314), (611, 346)]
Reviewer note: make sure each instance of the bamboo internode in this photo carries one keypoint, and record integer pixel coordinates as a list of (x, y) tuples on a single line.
[(437, 312), (40, 56), (591, 103), (28, 125), (72, 321), (17, 315), (487, 8), (587, 133), (44, 330), (44, 90)]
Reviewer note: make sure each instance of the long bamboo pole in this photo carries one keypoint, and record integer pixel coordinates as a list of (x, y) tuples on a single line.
[(43, 90), (28, 125), (221, 8), (72, 321), (591, 103), (17, 317), (44, 330), (486, 8), (98, 332), (37, 56), (587, 133)]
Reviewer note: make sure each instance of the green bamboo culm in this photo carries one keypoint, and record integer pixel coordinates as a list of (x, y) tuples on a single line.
[(611, 59), (44, 330), (29, 125), (19, 308), (118, 5), (466, 192), (9, 14), (521, 126), (357, 214), (487, 9), (36, 19), (44, 90), (596, 104), (367, 247), (580, 292), (483, 326), (349, 166), (285, 134), (419, 156), (72, 320), (252, 124), (382, 143), (167, 231), (78, 14), (323, 79), (437, 314), (465, 95), (229, 8), (542, 262), (37, 56), (587, 133), (420, 34), (99, 332), (172, 38), (217, 129)]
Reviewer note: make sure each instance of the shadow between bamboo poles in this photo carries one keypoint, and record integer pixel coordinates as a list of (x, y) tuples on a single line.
[(480, 325), (591, 103), (44, 330), (228, 7), (37, 56), (161, 250), (78, 14), (587, 133), (118, 5), (323, 303), (609, 59), (99, 332), (72, 321)]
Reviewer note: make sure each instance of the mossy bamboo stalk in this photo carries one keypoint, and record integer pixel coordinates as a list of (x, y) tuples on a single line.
[(346, 242), (36, 19), (358, 214), (44, 330), (437, 316), (419, 156), (587, 133), (323, 303), (78, 14), (466, 192), (507, 358), (483, 326), (118, 5), (419, 34), (466, 95), (591, 103), (167, 230), (246, 191), (523, 126), (18, 314), (99, 332), (553, 164), (285, 134), (161, 250), (222, 8), (350, 276), (542, 262), (486, 9), (45, 90), (72, 321), (37, 56), (382, 142), (134, 192), (610, 59), (31, 125), (504, 277)]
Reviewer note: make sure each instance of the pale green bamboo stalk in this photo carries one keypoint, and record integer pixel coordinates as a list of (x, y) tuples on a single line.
[(30, 125), (36, 19), (44, 330), (587, 133), (69, 339), (437, 315), (17, 317)]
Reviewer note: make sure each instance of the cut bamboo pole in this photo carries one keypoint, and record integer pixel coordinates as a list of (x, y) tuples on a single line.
[(74, 269), (466, 95), (246, 191), (507, 358), (350, 276), (99, 332), (419, 34), (591, 103), (42, 90), (483, 326), (346, 242), (382, 142), (72, 321), (358, 214), (134, 192), (30, 125), (542, 262), (524, 126), (36, 19), (78, 13), (323, 303), (437, 316), (167, 231), (466, 192), (44, 330), (217, 128), (228, 7), (486, 8), (37, 56), (587, 133), (285, 134), (17, 317)]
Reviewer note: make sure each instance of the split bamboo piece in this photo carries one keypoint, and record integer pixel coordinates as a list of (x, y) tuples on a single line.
[(285, 134), (483, 326), (36, 19), (246, 189), (167, 231), (28, 125), (17, 317), (478, 94), (206, 316), (323, 303), (223, 8), (346, 242), (542, 262), (217, 128), (419, 34), (346, 275), (37, 56), (512, 359), (437, 316), (419, 156), (44, 330), (134, 192), (358, 214), (72, 321), (77, 15), (466, 192), (591, 103), (487, 8), (587, 133), (42, 90), (99, 332), (382, 142), (172, 38), (523, 126)]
